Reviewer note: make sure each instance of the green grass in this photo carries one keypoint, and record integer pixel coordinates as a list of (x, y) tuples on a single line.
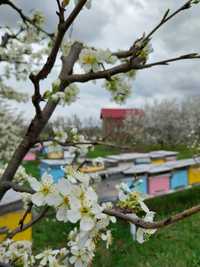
[(103, 151), (32, 168), (184, 152), (177, 245)]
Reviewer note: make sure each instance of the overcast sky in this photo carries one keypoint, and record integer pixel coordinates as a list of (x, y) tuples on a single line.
[(116, 24)]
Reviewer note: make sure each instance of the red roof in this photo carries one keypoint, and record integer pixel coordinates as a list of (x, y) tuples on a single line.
[(120, 113)]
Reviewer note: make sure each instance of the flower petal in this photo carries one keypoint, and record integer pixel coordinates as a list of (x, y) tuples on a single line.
[(74, 215), (62, 214), (38, 199), (34, 183), (86, 223), (63, 186)]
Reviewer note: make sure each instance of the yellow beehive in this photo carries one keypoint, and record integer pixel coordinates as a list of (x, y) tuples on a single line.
[(11, 212), (157, 157), (194, 174), (53, 151), (91, 169), (158, 161), (11, 221), (55, 155), (90, 166)]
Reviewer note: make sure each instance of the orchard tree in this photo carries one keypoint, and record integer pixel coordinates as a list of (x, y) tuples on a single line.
[(165, 123), (11, 132), (30, 51)]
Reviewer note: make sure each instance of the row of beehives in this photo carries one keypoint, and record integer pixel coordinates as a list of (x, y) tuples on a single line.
[(49, 150), (150, 179), (154, 157), (154, 180), (116, 162)]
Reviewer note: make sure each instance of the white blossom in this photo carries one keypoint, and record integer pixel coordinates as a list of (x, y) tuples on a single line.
[(60, 135), (107, 237), (46, 256), (89, 60), (120, 87), (19, 252), (143, 235), (64, 200), (87, 214), (45, 190)]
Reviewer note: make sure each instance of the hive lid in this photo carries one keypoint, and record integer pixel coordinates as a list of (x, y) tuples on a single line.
[(156, 155), (128, 156), (114, 170), (159, 168), (10, 196), (181, 163), (107, 159), (138, 169), (166, 152), (54, 162)]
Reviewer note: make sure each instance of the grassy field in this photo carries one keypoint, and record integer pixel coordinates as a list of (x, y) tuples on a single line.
[(103, 151), (177, 245)]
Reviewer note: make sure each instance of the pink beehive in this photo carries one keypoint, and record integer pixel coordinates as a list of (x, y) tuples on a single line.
[(31, 155), (159, 184)]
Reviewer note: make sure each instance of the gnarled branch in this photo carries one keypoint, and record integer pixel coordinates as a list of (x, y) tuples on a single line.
[(154, 225)]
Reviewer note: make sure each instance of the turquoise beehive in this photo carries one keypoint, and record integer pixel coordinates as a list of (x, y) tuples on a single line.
[(55, 168)]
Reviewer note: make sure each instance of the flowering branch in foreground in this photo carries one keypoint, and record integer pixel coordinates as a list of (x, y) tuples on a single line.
[(73, 197), (119, 93)]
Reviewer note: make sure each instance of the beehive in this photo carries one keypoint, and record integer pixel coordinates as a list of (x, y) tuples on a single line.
[(157, 157), (138, 178), (159, 180), (179, 174), (53, 151), (90, 167), (194, 172), (11, 212), (53, 168)]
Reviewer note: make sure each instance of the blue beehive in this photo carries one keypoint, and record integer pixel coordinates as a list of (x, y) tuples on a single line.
[(139, 178), (179, 178), (54, 168), (179, 175)]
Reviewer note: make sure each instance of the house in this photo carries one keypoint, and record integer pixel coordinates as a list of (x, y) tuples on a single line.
[(113, 119)]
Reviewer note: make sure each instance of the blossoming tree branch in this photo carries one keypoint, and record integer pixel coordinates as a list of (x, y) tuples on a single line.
[(29, 51)]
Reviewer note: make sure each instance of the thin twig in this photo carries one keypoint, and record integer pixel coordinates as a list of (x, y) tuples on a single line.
[(166, 17), (75, 144), (28, 225), (22, 220), (62, 29), (25, 18), (61, 12)]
